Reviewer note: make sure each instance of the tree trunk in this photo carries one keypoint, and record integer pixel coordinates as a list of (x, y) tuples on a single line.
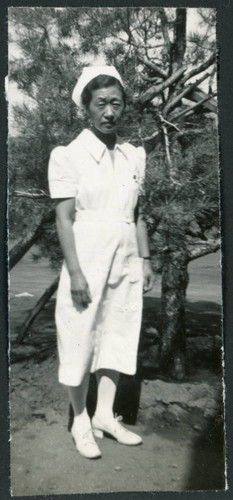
[(174, 284), (175, 259), (179, 45)]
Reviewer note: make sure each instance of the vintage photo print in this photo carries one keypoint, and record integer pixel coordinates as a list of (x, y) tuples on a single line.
[(116, 347)]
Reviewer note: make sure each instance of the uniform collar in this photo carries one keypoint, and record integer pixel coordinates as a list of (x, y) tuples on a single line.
[(96, 147)]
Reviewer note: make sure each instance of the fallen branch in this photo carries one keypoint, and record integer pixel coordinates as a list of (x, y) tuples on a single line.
[(172, 104), (193, 108), (187, 111), (197, 94), (39, 305), (26, 242)]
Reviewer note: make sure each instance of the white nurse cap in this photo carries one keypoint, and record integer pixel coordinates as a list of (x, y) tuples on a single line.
[(90, 72)]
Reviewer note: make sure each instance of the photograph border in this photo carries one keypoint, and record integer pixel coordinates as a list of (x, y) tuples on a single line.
[(225, 103)]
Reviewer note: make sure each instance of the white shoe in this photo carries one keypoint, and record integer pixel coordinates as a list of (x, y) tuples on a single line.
[(85, 442), (113, 427)]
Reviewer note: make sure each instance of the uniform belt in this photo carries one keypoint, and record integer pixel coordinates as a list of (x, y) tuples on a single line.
[(104, 215)]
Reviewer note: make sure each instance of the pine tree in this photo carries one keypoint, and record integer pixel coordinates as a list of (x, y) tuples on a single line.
[(167, 111)]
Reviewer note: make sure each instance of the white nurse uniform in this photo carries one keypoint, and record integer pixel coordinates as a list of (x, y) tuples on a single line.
[(105, 187)]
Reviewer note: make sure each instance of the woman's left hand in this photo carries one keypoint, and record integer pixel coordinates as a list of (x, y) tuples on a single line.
[(148, 276)]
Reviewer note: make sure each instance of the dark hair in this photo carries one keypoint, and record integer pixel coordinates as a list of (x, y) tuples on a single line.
[(99, 82)]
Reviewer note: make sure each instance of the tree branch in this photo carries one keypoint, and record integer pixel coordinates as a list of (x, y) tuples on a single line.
[(25, 194), (169, 123), (200, 68), (151, 80), (38, 307), (137, 27), (167, 144), (152, 66), (25, 243), (193, 108), (164, 27), (209, 246), (140, 46), (154, 90), (174, 102), (150, 137), (197, 94)]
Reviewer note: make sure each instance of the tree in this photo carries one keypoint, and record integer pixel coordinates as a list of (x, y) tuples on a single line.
[(163, 67), (45, 71)]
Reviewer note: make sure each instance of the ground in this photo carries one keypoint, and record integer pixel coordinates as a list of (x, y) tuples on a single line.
[(181, 423)]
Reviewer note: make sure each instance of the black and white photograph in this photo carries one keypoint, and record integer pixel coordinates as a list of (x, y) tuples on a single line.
[(116, 352)]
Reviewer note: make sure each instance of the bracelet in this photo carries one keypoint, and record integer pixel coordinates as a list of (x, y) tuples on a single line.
[(147, 258)]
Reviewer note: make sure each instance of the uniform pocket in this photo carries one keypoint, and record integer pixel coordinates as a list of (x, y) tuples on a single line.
[(117, 271), (135, 269)]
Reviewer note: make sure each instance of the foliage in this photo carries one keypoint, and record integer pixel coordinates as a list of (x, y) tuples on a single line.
[(54, 44), (192, 195), (46, 73), (161, 65)]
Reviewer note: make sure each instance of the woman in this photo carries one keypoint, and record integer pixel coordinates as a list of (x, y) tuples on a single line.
[(96, 181)]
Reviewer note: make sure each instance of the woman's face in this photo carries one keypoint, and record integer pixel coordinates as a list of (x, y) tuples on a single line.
[(106, 108)]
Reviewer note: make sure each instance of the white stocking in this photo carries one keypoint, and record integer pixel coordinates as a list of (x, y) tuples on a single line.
[(107, 385), (78, 397)]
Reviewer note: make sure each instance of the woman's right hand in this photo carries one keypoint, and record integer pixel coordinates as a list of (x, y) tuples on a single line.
[(80, 291)]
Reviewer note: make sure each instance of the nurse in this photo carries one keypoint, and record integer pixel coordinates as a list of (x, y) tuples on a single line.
[(96, 181)]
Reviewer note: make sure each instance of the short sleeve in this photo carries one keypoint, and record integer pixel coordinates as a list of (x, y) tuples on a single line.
[(61, 179), (141, 168)]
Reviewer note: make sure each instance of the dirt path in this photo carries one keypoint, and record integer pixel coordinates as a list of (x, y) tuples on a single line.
[(44, 459), (181, 424)]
